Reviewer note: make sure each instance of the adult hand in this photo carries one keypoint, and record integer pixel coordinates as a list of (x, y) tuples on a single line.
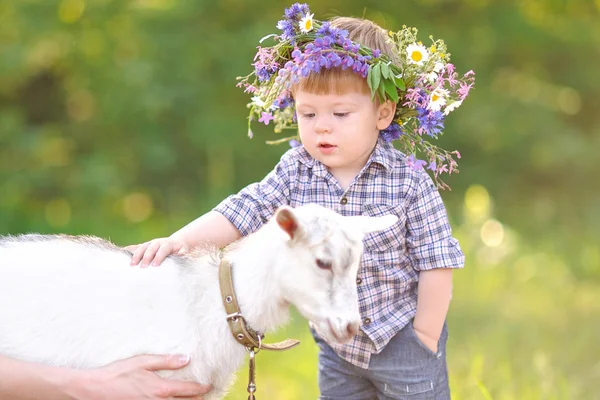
[(136, 379), (155, 251)]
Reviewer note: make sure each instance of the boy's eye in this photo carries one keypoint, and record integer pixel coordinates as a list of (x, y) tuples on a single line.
[(308, 115), (341, 114)]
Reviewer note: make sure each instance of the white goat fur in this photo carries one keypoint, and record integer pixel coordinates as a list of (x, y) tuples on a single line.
[(75, 301)]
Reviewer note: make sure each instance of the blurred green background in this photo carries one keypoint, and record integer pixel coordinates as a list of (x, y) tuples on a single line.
[(121, 119)]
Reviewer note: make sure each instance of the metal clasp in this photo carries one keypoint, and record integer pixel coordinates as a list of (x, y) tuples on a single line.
[(251, 375), (234, 316)]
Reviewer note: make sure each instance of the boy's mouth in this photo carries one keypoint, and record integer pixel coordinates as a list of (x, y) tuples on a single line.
[(326, 145), (327, 148)]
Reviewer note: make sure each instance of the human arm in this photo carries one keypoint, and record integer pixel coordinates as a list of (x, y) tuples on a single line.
[(434, 254), (434, 294), (131, 379), (211, 227)]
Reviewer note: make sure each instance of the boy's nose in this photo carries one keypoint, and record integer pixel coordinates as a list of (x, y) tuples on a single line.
[(322, 127)]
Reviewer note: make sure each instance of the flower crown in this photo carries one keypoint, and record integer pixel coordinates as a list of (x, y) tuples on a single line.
[(420, 80)]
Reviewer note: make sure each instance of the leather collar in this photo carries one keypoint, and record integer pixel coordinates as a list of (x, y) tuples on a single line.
[(242, 333)]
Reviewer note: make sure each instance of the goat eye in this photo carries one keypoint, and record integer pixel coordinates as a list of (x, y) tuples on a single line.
[(323, 264)]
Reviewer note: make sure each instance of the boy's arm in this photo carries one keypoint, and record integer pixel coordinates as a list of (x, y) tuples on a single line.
[(211, 227), (434, 293), (131, 379), (434, 253)]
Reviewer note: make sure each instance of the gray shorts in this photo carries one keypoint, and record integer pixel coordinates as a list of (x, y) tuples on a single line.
[(405, 370)]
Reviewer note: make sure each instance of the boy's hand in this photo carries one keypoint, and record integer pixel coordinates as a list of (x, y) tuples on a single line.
[(155, 251), (429, 342), (135, 378)]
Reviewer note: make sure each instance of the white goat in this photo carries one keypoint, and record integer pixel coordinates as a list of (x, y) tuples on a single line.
[(76, 302)]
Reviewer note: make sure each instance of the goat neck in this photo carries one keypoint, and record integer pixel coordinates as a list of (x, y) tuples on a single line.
[(256, 278)]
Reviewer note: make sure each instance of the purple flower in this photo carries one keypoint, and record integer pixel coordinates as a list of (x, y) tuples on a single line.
[(283, 102), (464, 89), (287, 29), (432, 166), (265, 65), (357, 67), (415, 163), (263, 74), (294, 143), (266, 118), (296, 11), (431, 122), (327, 30), (376, 53), (416, 98), (392, 132)]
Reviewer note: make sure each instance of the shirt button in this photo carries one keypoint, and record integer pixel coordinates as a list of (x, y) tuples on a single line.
[(366, 321), (358, 281), (344, 200)]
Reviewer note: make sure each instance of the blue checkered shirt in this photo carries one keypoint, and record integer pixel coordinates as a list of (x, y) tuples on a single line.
[(387, 278)]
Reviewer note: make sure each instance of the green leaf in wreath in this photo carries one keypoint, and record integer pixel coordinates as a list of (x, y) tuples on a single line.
[(400, 83), (370, 82), (386, 71), (376, 76), (390, 89), (381, 90)]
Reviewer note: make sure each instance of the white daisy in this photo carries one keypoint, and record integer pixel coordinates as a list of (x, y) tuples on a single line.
[(433, 75), (417, 53), (452, 106), (258, 102), (306, 23), (437, 99)]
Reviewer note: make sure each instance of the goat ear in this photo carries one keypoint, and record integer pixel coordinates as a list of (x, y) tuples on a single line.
[(288, 221), (374, 224)]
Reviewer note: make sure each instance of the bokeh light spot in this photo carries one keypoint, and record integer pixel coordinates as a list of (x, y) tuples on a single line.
[(492, 233), (137, 207), (70, 11), (477, 202), (58, 212)]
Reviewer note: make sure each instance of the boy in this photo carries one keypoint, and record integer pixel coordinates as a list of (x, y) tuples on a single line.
[(341, 83)]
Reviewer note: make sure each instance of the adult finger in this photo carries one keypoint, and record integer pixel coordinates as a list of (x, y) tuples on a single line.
[(185, 389), (158, 362), (139, 252)]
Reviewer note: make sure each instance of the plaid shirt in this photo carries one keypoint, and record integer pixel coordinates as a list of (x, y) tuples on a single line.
[(387, 278)]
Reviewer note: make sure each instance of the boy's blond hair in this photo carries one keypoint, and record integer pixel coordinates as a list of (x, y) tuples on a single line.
[(341, 81)]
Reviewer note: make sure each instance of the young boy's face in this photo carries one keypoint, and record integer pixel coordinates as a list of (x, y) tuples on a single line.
[(340, 130)]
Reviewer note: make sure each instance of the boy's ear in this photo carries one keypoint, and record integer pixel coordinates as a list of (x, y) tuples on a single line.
[(386, 113)]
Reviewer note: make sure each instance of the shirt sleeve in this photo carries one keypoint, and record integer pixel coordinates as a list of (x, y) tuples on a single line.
[(249, 209), (429, 235)]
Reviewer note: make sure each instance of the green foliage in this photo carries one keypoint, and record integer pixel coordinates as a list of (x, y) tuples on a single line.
[(121, 119)]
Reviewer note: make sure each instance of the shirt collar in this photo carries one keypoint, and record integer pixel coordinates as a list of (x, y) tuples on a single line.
[(383, 154)]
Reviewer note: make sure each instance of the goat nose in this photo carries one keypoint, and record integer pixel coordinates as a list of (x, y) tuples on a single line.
[(352, 328)]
